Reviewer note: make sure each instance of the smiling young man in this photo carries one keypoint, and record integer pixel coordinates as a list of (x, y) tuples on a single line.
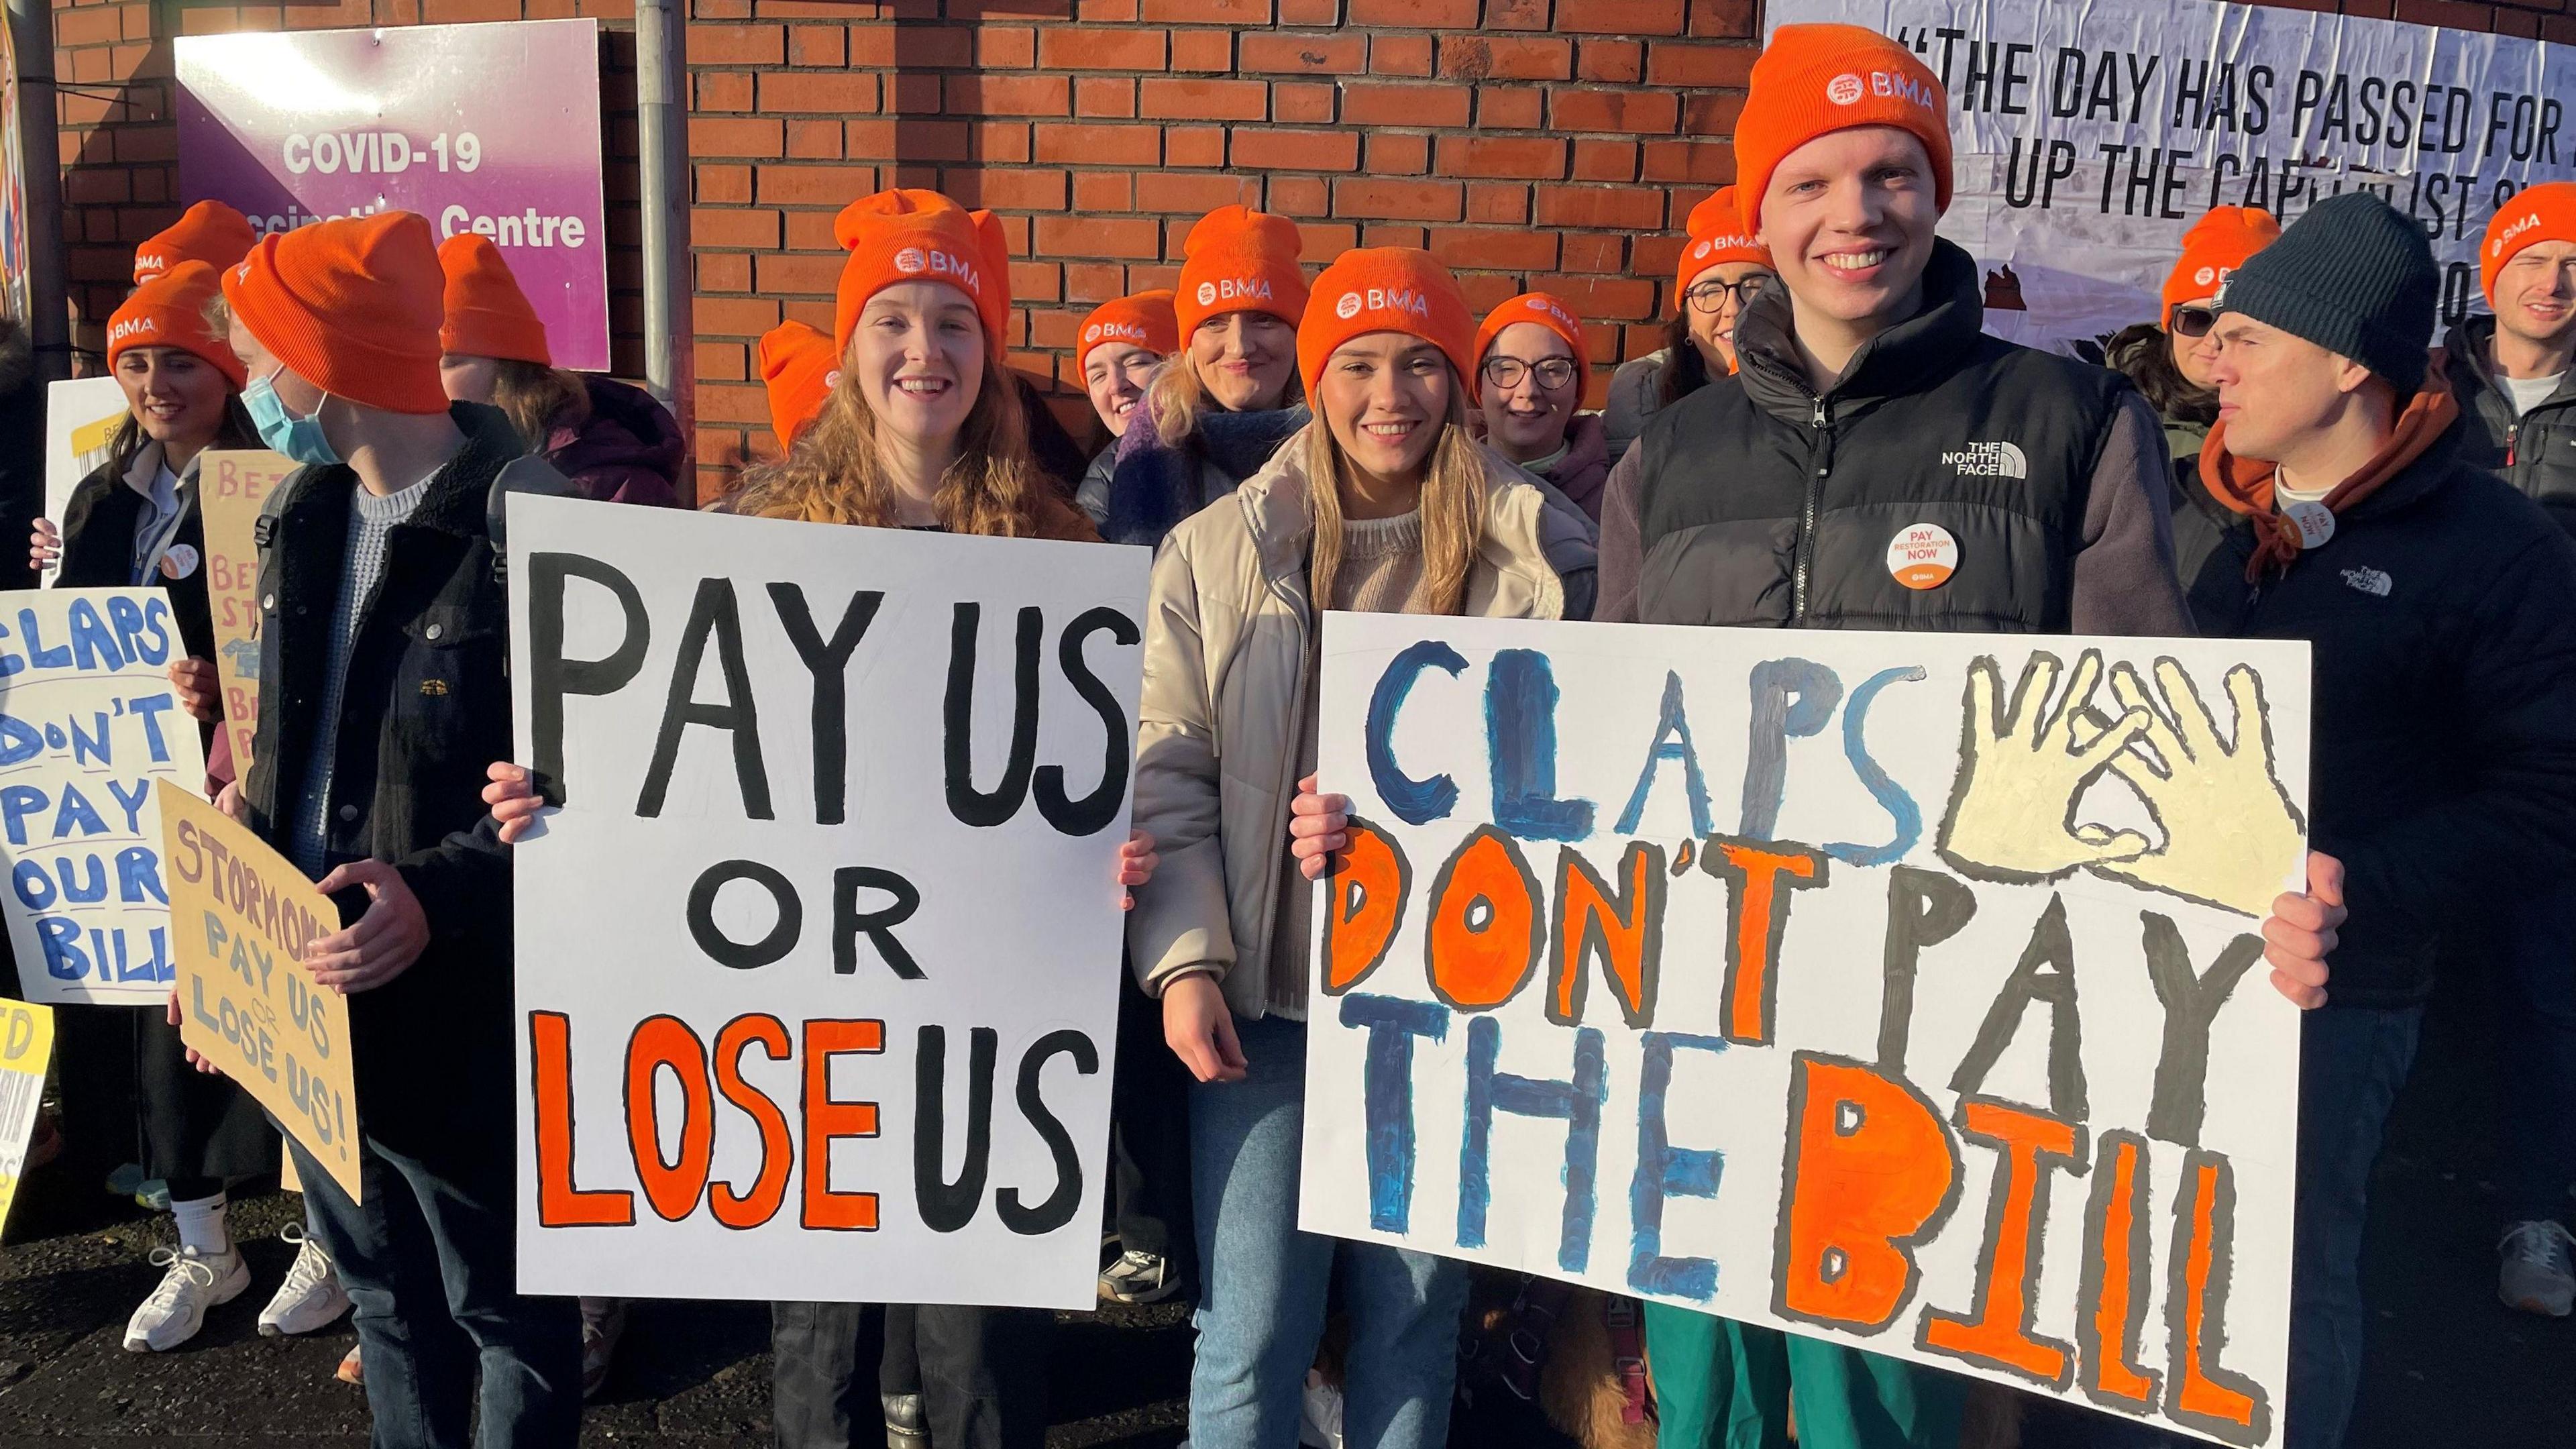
[(1869, 407), (2443, 756)]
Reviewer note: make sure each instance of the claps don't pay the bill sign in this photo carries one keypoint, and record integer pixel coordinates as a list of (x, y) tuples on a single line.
[(1899, 989), (818, 962)]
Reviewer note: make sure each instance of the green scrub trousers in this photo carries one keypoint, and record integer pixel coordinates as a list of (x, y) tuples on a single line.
[(1720, 1384)]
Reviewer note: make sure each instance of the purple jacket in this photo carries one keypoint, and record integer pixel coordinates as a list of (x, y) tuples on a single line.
[(629, 450)]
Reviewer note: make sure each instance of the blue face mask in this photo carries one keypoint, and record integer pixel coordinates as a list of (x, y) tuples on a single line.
[(300, 440)]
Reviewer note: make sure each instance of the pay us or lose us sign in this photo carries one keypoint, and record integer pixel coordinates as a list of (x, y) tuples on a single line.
[(817, 964), (1903, 990)]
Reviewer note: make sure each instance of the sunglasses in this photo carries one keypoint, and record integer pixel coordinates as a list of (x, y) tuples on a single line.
[(2193, 321)]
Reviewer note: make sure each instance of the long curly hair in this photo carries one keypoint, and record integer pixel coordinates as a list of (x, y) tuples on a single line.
[(835, 474), (2144, 355)]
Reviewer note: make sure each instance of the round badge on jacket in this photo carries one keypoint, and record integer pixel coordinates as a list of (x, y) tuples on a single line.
[(1923, 556), (2314, 521), (179, 562)]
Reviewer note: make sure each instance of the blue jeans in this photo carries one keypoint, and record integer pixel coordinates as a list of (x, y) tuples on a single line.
[(1262, 1282), (431, 1265), (2537, 1040), (2352, 1060)]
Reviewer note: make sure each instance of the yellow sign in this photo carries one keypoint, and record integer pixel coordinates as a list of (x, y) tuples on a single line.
[(232, 487), (240, 919), (26, 1045)]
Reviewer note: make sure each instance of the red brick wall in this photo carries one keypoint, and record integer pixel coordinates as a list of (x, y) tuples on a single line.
[(120, 149)]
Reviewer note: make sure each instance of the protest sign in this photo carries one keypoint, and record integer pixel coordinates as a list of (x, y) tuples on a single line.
[(81, 415), (26, 1050), (232, 487), (2088, 137), (1947, 1036), (88, 721), (304, 126), (818, 962), (243, 915)]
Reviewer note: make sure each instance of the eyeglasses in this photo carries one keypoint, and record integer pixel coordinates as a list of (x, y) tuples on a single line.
[(1555, 374), (2193, 321), (1709, 296)]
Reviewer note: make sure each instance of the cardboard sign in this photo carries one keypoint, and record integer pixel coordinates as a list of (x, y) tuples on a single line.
[(26, 1050), (303, 126), (243, 915), (232, 487), (1859, 985), (818, 962), (81, 415), (88, 721), (2087, 138)]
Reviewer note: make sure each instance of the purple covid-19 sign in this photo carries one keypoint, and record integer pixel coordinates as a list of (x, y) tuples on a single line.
[(480, 128)]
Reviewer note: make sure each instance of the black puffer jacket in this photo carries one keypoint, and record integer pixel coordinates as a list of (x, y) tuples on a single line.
[(425, 710), (1753, 501), (2535, 452), (2443, 758)]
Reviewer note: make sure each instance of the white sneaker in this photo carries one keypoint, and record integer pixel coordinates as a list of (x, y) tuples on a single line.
[(177, 1309), (2539, 1274), (311, 1296)]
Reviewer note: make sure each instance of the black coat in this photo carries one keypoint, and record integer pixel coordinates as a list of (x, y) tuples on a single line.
[(2443, 752), (98, 548), (425, 710), (2536, 451)]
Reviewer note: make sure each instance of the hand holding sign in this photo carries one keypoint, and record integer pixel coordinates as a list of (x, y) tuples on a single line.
[(2012, 806), (2199, 787), (385, 941)]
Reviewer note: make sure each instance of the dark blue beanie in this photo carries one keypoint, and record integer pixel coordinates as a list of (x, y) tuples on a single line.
[(2353, 276)]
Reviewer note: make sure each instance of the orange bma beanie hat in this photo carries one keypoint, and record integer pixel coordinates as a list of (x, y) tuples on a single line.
[(800, 369), (1145, 320), (2546, 212), (1240, 260), (1814, 80), (170, 311), (1540, 309), (208, 232), (352, 306), (1385, 289), (487, 314), (2217, 244), (1718, 235), (911, 235)]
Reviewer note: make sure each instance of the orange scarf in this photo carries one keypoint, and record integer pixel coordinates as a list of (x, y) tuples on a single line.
[(2244, 485)]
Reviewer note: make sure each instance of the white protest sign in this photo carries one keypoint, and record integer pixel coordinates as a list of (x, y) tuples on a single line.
[(88, 721), (817, 964), (1853, 984), (2087, 138), (81, 415)]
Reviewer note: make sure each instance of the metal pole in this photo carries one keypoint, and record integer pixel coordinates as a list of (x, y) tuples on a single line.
[(661, 106), (31, 35)]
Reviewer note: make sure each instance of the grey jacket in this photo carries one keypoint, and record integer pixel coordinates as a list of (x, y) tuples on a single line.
[(1636, 392)]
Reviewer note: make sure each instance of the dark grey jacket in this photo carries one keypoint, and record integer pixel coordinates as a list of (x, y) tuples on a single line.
[(2535, 452)]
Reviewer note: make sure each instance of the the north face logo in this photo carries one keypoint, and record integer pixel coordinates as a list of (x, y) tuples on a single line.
[(132, 327), (1988, 460), (2369, 581)]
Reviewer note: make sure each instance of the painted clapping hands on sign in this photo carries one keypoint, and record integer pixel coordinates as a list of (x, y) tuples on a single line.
[(2022, 771), (2219, 801)]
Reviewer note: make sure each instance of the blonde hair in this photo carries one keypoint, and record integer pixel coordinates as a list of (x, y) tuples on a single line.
[(1176, 395), (834, 474), (1452, 507), (535, 397)]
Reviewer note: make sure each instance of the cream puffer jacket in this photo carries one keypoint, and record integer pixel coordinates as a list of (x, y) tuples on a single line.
[(1226, 653)]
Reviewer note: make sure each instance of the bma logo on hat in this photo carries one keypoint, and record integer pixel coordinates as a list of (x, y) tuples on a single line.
[(910, 260), (151, 262), (2496, 247), (1550, 308), (1091, 333), (831, 379), (1348, 307), (131, 327), (2204, 276), (1207, 294), (1235, 289), (1845, 89)]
